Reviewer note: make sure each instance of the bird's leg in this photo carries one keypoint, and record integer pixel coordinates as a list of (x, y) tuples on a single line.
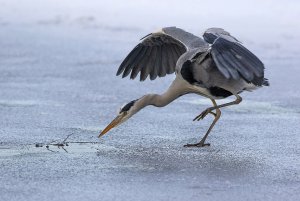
[(217, 116), (210, 109)]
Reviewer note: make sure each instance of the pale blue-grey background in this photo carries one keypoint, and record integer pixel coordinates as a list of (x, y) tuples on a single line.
[(57, 77)]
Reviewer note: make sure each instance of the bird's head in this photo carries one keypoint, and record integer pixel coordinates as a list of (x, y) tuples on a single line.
[(124, 113)]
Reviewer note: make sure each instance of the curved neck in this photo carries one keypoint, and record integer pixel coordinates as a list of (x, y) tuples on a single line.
[(173, 92)]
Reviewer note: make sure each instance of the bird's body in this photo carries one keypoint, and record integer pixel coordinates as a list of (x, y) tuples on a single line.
[(216, 67), (204, 79)]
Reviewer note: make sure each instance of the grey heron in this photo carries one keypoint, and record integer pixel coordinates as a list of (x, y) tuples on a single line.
[(216, 67)]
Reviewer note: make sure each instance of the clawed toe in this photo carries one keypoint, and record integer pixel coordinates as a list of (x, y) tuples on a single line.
[(203, 114), (213, 113)]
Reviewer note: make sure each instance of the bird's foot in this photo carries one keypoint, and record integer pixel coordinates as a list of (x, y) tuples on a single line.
[(200, 144), (203, 114)]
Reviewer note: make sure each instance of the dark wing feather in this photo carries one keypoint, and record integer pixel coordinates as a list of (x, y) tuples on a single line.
[(163, 71), (128, 59), (157, 62), (154, 72), (136, 68), (144, 64), (234, 61), (157, 54)]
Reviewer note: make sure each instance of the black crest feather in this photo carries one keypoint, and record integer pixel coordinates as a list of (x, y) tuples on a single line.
[(127, 106)]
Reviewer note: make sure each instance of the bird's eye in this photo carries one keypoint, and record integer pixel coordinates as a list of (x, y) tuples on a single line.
[(119, 111)]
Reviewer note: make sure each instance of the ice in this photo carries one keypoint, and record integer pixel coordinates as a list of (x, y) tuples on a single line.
[(58, 60)]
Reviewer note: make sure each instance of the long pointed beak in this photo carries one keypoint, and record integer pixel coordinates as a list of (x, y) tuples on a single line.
[(114, 122)]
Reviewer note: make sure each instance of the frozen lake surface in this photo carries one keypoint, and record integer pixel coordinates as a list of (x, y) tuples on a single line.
[(57, 80)]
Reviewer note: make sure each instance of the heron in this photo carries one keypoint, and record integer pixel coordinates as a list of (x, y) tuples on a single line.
[(215, 66)]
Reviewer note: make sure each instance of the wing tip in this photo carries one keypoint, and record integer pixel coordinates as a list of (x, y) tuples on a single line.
[(266, 82), (146, 36), (118, 73)]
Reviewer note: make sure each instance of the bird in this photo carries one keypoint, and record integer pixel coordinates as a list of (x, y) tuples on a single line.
[(215, 66)]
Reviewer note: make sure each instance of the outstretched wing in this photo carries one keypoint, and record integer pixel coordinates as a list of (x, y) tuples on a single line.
[(232, 59), (157, 53)]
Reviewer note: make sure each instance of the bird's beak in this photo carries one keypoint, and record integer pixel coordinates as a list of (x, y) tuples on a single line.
[(113, 124)]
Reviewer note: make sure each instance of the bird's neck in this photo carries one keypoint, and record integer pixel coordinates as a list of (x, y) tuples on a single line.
[(160, 100)]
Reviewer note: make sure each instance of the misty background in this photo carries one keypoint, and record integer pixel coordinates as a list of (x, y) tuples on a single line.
[(58, 60)]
